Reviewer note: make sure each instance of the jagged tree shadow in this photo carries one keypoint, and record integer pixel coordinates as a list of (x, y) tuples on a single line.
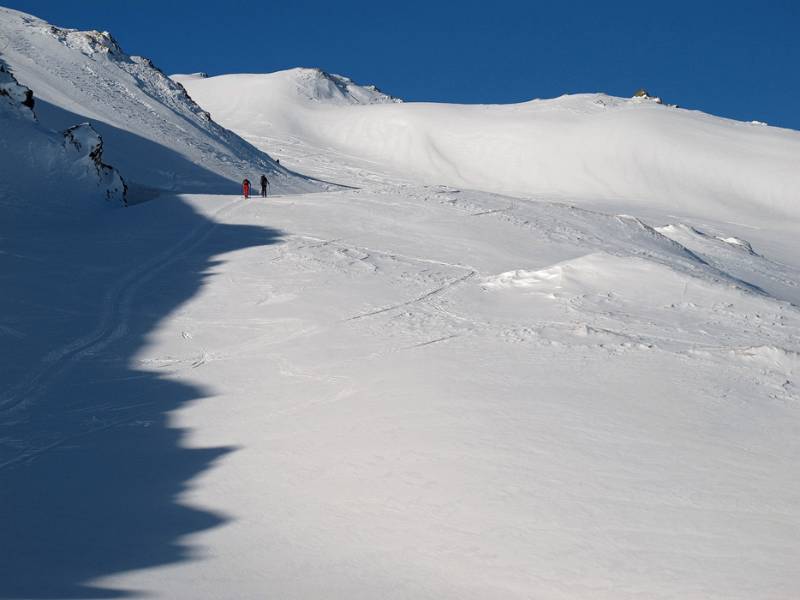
[(100, 492)]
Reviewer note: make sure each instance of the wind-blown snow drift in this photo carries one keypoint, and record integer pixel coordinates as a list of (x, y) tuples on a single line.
[(586, 147), (155, 133)]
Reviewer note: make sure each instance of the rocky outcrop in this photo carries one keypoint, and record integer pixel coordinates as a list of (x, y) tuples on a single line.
[(643, 95), (87, 146), (88, 42), (361, 94), (16, 99), (72, 162)]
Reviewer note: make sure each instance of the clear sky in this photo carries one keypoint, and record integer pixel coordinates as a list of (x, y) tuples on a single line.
[(735, 58)]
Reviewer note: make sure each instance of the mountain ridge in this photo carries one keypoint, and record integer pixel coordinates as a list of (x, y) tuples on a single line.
[(153, 130)]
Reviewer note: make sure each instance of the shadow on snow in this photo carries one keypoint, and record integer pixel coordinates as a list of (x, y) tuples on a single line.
[(140, 159), (93, 471)]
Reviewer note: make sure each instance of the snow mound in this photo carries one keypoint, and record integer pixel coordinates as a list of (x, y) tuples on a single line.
[(597, 273), (591, 148), (648, 303), (630, 279), (772, 358), (153, 130)]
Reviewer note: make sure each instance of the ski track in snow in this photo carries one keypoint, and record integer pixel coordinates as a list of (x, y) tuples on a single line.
[(435, 292), (574, 326), (112, 325)]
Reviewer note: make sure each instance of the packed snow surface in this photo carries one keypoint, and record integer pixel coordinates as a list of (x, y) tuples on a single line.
[(421, 386)]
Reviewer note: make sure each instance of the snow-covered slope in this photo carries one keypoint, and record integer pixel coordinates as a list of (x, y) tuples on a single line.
[(590, 148), (395, 392), (34, 158), (304, 85), (402, 390), (153, 130)]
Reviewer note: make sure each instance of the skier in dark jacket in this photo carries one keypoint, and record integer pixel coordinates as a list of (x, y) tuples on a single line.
[(264, 184), (246, 188)]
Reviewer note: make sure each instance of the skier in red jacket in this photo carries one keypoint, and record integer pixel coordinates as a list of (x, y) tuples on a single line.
[(246, 188)]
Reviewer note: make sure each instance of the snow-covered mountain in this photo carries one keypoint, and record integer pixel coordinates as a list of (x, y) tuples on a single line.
[(413, 387), (153, 131), (300, 86), (592, 148)]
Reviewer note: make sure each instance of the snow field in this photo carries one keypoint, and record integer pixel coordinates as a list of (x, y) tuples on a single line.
[(544, 350), (587, 148)]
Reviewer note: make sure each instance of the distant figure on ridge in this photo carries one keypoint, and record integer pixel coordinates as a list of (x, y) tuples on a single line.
[(246, 188), (264, 184)]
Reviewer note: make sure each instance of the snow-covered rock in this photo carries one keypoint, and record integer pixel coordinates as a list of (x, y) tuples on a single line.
[(181, 76), (87, 42), (15, 99), (86, 146), (643, 95), (66, 169)]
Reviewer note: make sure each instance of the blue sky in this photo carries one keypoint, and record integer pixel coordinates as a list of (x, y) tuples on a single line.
[(739, 59)]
